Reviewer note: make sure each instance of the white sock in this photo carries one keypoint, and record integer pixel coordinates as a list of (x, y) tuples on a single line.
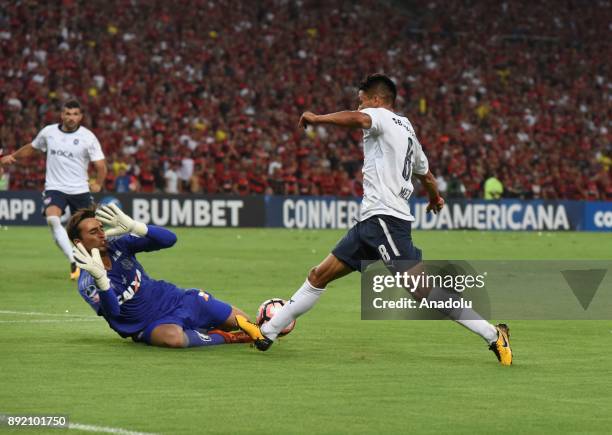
[(481, 327), (302, 301), (466, 317), (61, 236)]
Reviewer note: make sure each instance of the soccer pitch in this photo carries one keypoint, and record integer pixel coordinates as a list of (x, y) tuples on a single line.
[(334, 374)]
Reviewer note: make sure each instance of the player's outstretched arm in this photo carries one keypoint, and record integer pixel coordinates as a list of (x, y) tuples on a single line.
[(24, 151), (119, 223), (436, 202), (150, 237), (93, 264), (347, 118), (101, 172)]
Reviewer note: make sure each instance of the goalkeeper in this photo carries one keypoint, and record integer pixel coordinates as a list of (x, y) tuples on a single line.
[(134, 305)]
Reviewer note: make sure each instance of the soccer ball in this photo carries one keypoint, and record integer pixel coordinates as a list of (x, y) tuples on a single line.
[(267, 310)]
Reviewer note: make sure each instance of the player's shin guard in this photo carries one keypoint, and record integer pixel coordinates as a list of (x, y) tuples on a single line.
[(302, 301), (60, 236), (195, 338), (466, 317)]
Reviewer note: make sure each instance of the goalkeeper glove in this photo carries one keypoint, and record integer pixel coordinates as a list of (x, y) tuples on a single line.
[(92, 264), (119, 222)]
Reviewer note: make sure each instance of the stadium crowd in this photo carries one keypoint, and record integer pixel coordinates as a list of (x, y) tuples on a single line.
[(204, 96)]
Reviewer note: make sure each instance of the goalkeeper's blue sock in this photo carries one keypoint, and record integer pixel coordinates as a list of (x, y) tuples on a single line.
[(199, 339)]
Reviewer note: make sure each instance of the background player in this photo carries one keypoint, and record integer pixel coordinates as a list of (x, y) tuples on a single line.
[(69, 147), (116, 286), (392, 154)]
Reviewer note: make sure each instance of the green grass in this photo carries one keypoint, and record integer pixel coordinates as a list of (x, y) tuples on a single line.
[(333, 374)]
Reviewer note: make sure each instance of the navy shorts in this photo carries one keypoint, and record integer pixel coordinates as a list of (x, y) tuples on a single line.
[(61, 200), (379, 237), (198, 310)]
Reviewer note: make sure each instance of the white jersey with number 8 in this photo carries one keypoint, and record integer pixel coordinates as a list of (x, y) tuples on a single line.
[(392, 153)]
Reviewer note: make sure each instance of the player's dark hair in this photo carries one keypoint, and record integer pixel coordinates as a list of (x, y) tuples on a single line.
[(381, 85), (72, 104), (72, 228)]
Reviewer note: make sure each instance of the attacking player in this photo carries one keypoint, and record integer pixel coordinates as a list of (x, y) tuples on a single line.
[(392, 155), (69, 147), (116, 286)]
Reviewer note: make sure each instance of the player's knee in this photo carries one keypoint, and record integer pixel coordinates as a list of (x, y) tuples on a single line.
[(316, 278), (174, 338)]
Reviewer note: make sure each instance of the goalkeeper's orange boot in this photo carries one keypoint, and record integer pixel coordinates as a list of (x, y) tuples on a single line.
[(75, 272), (261, 341), (501, 347), (232, 337)]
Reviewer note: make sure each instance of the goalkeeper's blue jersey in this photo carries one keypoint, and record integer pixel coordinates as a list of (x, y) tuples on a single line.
[(134, 299)]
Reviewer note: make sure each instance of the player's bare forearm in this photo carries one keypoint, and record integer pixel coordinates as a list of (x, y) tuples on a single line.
[(21, 153), (429, 182), (101, 172), (348, 119), (436, 202)]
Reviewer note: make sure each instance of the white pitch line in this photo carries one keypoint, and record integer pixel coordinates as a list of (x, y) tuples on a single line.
[(36, 313), (103, 429)]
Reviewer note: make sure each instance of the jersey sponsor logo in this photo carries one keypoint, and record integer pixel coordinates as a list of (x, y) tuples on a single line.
[(61, 153), (116, 255), (132, 289)]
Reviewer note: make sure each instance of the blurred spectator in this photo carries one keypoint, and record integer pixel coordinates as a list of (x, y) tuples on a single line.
[(4, 179), (122, 182), (442, 185), (172, 178), (146, 179), (455, 188), (185, 172), (520, 89), (493, 188)]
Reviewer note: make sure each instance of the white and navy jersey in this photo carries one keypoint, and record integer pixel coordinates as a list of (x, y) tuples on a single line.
[(68, 156), (392, 153)]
